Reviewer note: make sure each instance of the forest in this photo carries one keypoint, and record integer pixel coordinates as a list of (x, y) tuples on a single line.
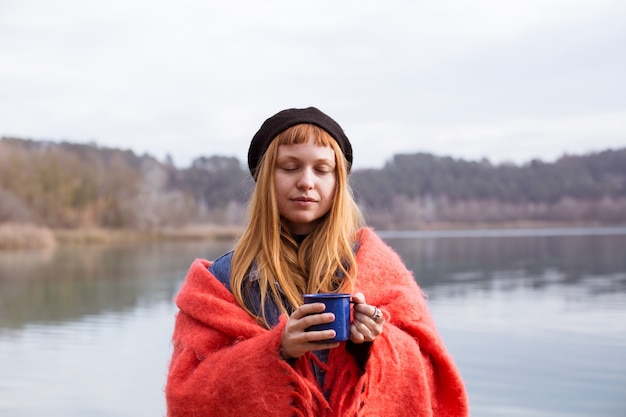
[(70, 186)]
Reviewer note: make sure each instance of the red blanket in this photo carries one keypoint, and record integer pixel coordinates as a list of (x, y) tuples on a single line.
[(225, 364)]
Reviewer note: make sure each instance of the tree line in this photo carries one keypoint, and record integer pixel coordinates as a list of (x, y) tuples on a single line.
[(416, 189), (69, 185)]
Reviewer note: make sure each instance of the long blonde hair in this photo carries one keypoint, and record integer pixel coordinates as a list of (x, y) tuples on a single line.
[(324, 262)]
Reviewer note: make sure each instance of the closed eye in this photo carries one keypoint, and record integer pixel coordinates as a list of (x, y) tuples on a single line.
[(289, 168), (324, 169)]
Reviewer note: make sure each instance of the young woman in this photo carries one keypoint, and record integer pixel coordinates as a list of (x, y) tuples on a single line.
[(240, 345)]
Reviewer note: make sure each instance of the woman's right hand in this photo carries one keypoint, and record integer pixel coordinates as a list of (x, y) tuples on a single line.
[(296, 342)]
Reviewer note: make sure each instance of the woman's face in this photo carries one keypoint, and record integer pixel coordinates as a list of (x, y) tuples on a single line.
[(305, 183)]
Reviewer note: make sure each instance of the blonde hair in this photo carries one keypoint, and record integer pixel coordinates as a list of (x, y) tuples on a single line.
[(324, 262)]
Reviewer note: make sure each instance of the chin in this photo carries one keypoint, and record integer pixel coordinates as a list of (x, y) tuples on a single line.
[(301, 224)]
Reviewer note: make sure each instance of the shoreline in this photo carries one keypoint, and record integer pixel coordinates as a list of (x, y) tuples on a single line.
[(14, 236), (97, 235)]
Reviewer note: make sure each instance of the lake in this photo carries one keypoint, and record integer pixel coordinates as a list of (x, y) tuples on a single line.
[(535, 319)]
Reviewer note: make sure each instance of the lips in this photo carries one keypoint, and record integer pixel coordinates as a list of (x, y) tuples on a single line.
[(304, 199)]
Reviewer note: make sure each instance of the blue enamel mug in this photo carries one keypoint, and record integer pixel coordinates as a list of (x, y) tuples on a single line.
[(339, 305)]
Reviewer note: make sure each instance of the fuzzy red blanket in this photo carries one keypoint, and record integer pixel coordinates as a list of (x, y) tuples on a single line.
[(225, 364)]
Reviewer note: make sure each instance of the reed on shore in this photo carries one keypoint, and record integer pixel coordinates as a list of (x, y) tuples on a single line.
[(18, 236), (25, 236), (192, 232)]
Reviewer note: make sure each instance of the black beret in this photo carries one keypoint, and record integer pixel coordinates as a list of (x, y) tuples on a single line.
[(282, 121)]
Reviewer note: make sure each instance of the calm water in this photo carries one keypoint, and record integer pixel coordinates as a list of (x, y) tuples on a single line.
[(535, 321)]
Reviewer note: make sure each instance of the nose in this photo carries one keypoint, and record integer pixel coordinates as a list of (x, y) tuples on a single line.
[(305, 180)]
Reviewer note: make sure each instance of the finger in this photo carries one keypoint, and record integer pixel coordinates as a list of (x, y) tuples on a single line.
[(370, 311), (297, 346), (365, 330), (296, 340), (355, 335), (364, 318), (364, 309), (358, 298), (312, 340), (374, 328), (307, 309), (318, 337), (313, 319), (375, 325), (297, 329), (297, 325)]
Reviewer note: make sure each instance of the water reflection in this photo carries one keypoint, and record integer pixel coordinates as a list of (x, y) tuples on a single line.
[(72, 282), (535, 261)]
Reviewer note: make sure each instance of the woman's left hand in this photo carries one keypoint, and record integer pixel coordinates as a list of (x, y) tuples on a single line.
[(368, 320)]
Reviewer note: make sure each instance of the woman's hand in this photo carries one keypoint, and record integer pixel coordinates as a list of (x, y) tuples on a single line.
[(296, 342), (368, 321)]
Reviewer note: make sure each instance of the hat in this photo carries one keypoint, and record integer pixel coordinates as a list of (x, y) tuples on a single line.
[(285, 119)]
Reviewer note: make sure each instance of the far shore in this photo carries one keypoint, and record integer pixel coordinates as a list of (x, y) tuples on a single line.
[(28, 236), (196, 232), (14, 236)]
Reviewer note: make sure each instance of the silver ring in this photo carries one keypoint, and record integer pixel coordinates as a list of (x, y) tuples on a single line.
[(377, 314)]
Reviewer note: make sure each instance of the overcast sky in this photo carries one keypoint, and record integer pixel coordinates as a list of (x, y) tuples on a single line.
[(505, 80)]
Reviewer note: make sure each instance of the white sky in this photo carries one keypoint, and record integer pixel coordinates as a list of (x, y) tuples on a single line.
[(505, 80)]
